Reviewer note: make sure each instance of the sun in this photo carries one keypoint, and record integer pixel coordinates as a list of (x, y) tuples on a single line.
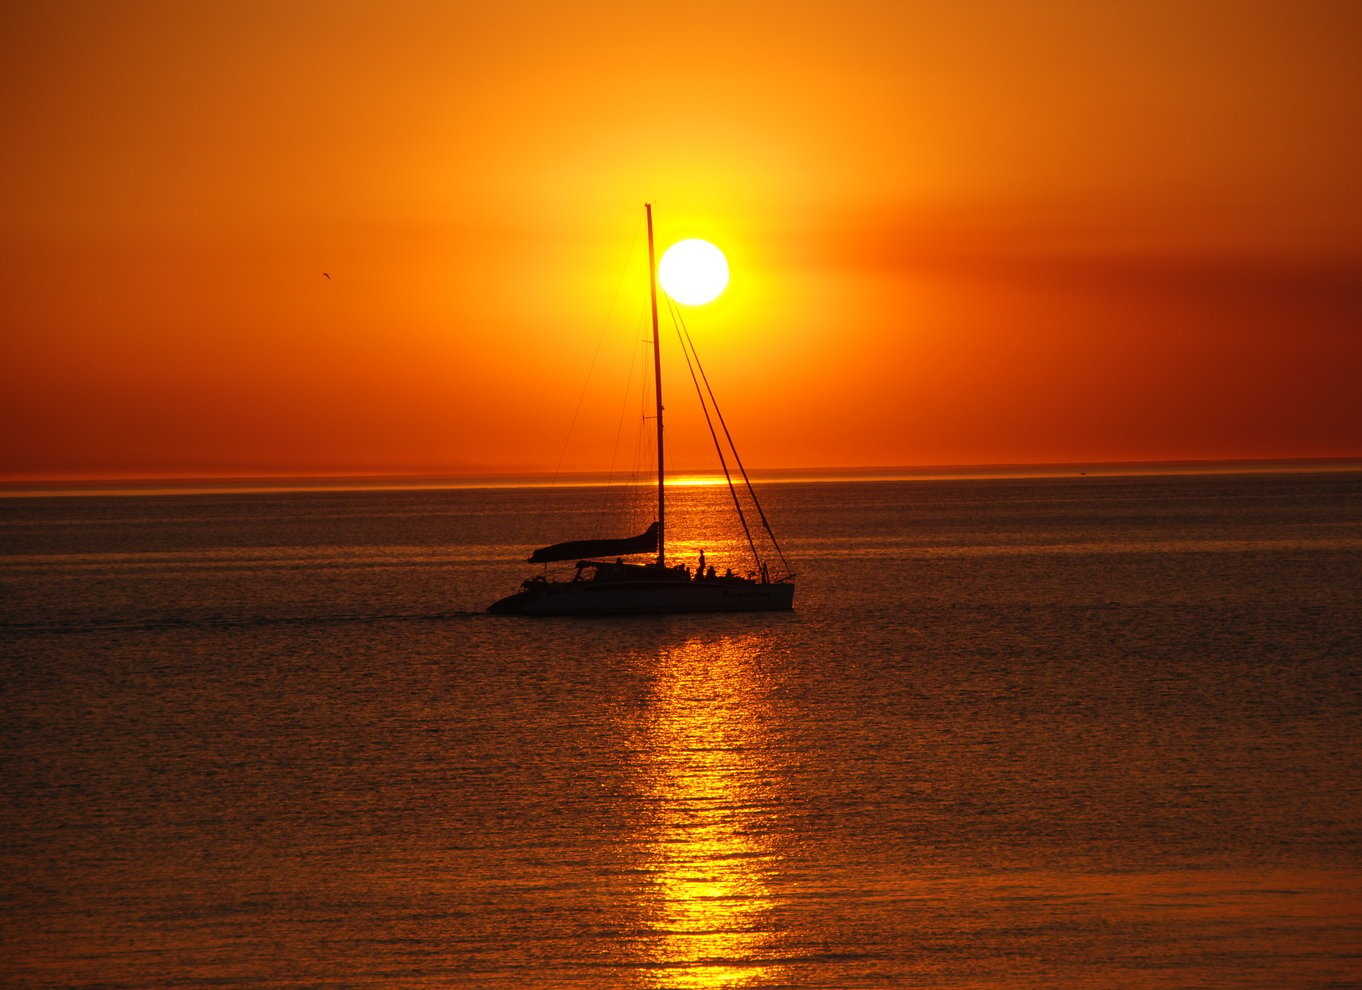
[(693, 271)]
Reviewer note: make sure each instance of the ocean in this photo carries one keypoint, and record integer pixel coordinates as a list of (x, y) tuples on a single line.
[(1017, 732)]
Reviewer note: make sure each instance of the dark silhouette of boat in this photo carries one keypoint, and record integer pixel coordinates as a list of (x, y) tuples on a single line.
[(601, 585)]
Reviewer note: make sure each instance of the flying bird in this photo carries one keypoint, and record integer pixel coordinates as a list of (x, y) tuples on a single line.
[(326, 276)]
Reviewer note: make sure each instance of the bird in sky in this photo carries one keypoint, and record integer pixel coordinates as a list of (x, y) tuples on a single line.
[(326, 276)]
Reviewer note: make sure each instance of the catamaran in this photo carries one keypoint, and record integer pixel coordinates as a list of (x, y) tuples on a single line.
[(604, 583)]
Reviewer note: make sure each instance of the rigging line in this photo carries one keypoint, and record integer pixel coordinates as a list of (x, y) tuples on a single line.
[(684, 338), (627, 497), (619, 431), (605, 325), (734, 447)]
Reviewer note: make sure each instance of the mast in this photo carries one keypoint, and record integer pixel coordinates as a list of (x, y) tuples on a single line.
[(657, 391)]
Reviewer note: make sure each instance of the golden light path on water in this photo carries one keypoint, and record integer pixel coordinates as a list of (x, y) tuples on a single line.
[(704, 759)]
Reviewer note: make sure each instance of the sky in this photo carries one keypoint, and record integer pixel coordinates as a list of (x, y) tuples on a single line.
[(959, 233)]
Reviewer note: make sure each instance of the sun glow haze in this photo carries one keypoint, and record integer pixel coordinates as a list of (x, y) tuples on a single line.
[(985, 234)]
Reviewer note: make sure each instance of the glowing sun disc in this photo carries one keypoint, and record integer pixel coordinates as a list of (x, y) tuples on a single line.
[(693, 271)]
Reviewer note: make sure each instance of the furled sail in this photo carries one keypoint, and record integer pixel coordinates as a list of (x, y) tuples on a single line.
[(645, 542)]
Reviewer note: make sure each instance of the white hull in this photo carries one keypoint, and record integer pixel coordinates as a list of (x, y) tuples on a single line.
[(646, 597)]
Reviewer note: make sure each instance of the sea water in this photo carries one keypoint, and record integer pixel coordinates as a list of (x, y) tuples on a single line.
[(1050, 732)]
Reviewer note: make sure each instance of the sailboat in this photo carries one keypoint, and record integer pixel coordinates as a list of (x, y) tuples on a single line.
[(604, 583)]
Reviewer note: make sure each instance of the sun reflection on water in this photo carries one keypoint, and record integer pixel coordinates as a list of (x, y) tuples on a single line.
[(706, 761)]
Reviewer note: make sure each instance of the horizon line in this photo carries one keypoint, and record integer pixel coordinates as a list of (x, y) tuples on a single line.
[(281, 482)]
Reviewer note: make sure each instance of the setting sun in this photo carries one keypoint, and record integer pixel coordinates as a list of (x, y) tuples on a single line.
[(693, 272)]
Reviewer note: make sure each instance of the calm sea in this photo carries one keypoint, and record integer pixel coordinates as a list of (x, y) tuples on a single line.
[(1080, 732)]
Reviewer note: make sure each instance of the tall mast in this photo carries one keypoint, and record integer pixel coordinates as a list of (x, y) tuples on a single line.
[(657, 391)]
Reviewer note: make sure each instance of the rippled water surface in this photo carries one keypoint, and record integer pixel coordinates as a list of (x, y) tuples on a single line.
[(1085, 732)]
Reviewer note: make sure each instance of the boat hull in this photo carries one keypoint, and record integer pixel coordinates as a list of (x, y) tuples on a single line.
[(646, 597)]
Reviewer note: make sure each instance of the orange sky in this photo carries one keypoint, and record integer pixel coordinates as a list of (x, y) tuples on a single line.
[(959, 232)]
